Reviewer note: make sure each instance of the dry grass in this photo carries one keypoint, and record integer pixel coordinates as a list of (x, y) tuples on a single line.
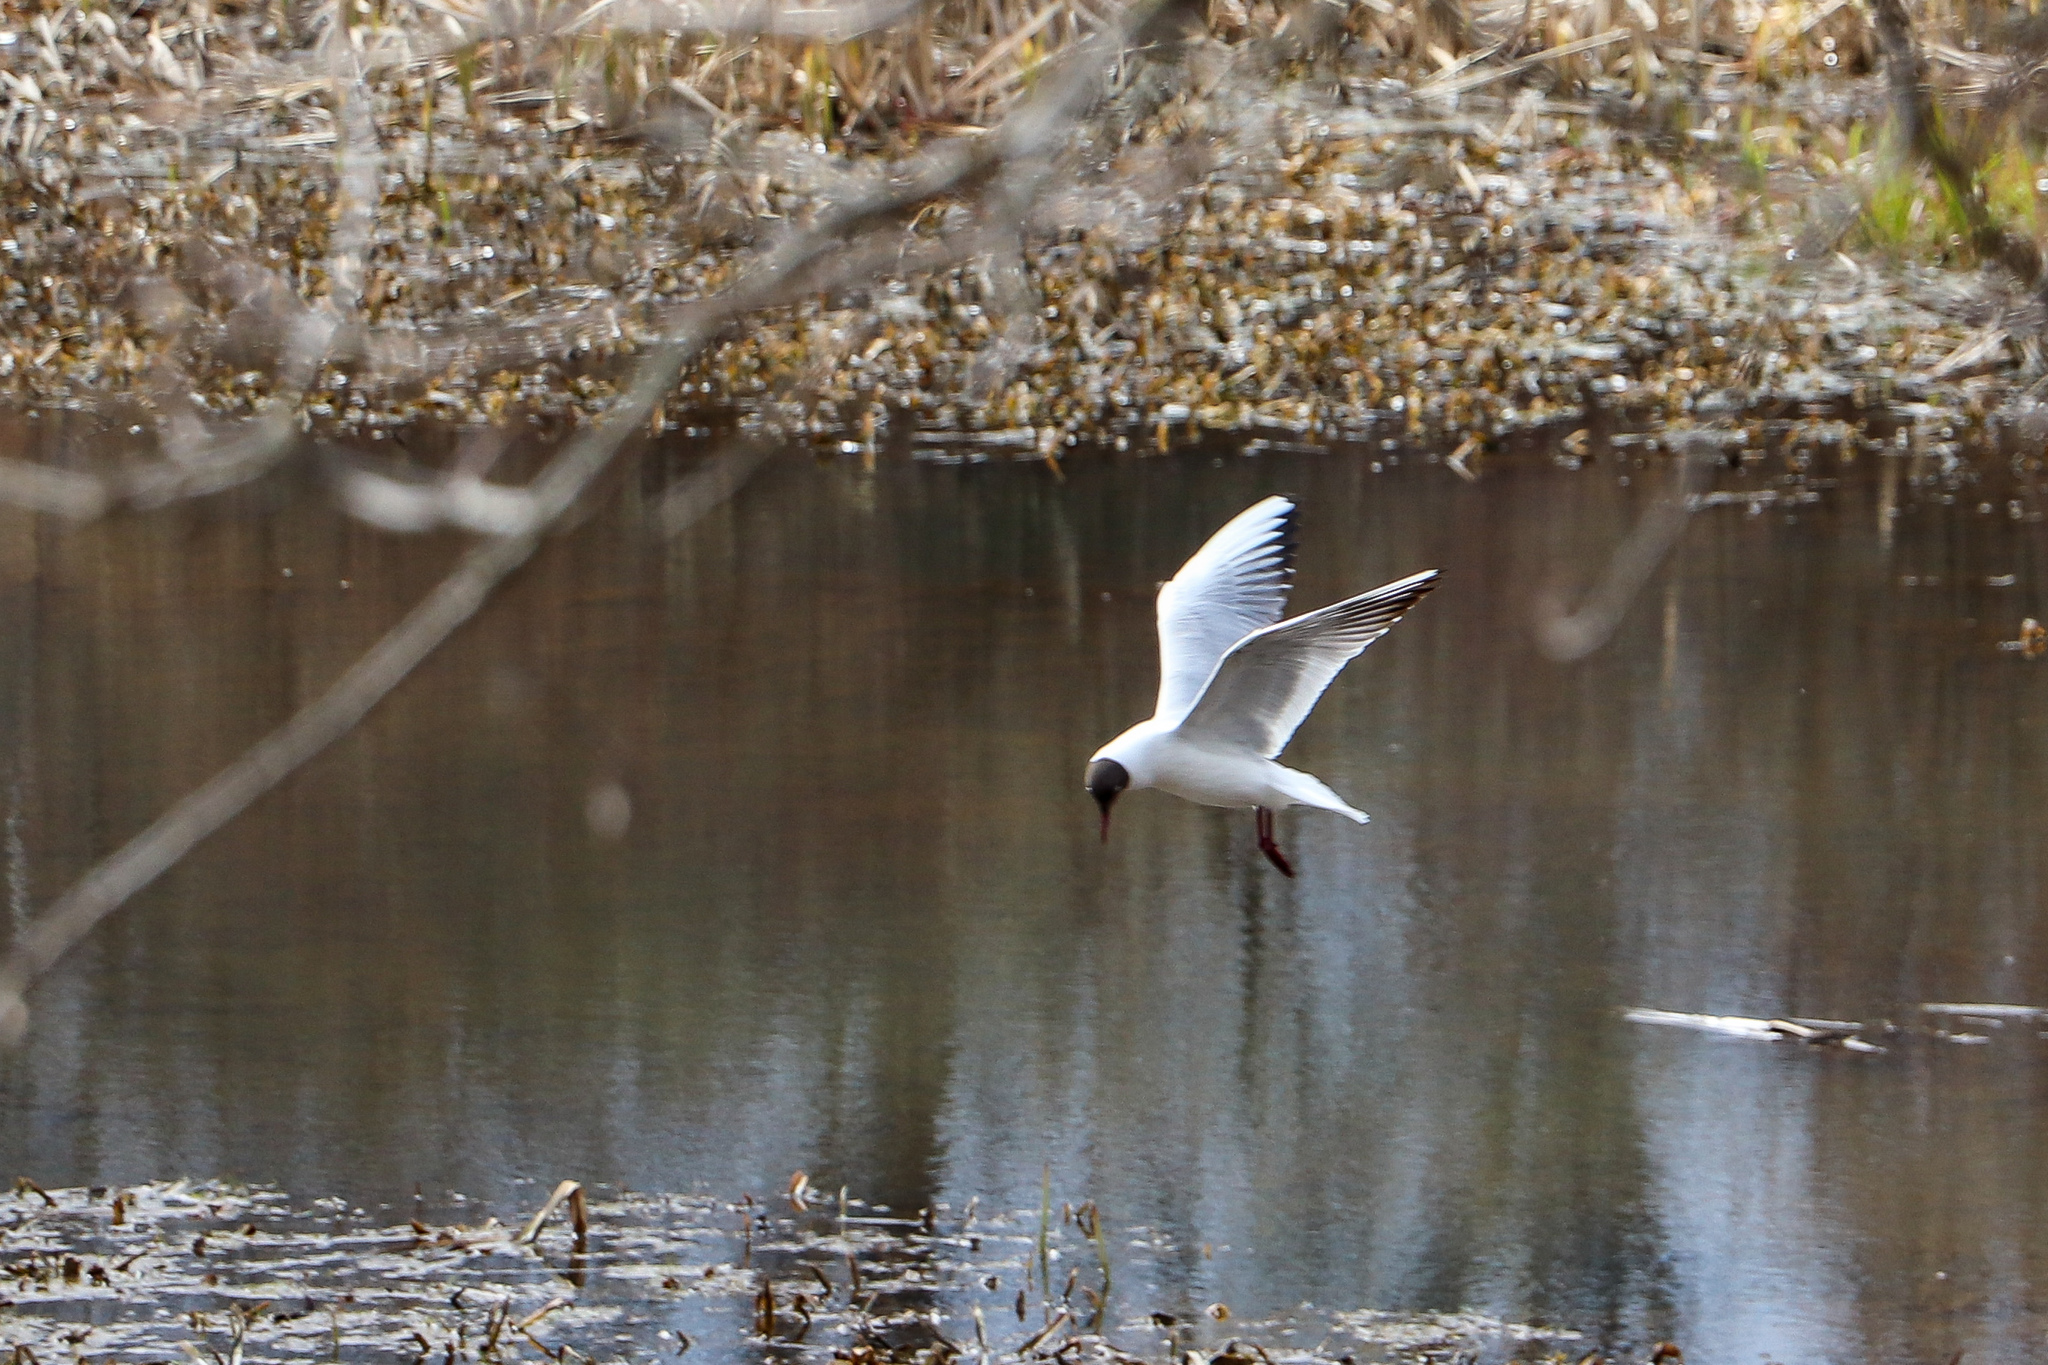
[(857, 74), (551, 176)]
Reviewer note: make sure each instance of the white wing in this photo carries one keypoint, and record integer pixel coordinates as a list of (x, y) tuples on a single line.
[(1233, 585), (1265, 687)]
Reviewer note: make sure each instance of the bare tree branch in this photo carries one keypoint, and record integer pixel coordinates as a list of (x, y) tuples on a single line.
[(1569, 635), (1007, 168), (686, 504), (46, 488)]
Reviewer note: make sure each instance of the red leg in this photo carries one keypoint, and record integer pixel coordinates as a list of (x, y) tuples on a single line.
[(1266, 844)]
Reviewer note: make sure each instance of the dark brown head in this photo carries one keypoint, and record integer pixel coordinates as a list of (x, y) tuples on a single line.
[(1106, 777)]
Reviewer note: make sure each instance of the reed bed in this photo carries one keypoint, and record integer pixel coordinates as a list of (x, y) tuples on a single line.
[(220, 1273), (864, 74), (1290, 228)]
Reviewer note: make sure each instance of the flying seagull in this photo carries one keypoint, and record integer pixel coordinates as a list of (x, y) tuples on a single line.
[(1236, 681)]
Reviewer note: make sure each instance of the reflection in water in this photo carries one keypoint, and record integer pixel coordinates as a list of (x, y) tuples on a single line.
[(852, 916)]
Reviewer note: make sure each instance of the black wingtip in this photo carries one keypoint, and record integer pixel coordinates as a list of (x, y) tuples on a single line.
[(1414, 587), (1287, 537), (1387, 603)]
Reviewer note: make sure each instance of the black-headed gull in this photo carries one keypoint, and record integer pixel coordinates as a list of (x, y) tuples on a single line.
[(1236, 681)]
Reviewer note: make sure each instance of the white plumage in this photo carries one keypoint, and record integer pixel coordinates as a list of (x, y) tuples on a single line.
[(1236, 681)]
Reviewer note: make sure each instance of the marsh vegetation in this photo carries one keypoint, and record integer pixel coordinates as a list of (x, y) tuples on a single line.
[(224, 1273), (358, 271)]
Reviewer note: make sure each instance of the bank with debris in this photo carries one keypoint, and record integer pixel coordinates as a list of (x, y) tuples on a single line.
[(1334, 250)]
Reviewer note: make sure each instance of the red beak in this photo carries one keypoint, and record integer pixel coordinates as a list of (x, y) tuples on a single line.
[(1105, 824)]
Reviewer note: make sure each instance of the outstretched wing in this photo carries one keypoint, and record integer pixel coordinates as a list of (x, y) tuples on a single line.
[(1264, 688), (1232, 586)]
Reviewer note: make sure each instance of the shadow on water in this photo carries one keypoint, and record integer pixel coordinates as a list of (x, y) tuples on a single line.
[(695, 863)]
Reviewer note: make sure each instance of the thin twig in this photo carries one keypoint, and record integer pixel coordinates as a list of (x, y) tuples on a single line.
[(1462, 81), (1569, 635)]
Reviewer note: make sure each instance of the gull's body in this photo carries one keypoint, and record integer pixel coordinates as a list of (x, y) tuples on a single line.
[(1157, 755), (1236, 681)]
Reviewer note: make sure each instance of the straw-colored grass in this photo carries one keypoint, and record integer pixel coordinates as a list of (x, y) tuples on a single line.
[(858, 73)]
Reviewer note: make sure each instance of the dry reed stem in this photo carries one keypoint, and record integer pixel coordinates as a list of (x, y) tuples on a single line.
[(531, 1231), (1457, 82)]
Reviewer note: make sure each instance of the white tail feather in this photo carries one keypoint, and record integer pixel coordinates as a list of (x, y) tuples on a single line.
[(1309, 790)]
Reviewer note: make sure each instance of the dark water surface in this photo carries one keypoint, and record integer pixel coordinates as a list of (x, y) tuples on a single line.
[(859, 924)]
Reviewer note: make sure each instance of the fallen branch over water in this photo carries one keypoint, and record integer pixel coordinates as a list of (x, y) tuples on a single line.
[(1847, 1034), (1837, 1033)]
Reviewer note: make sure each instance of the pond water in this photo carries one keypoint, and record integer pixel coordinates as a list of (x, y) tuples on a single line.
[(697, 862)]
